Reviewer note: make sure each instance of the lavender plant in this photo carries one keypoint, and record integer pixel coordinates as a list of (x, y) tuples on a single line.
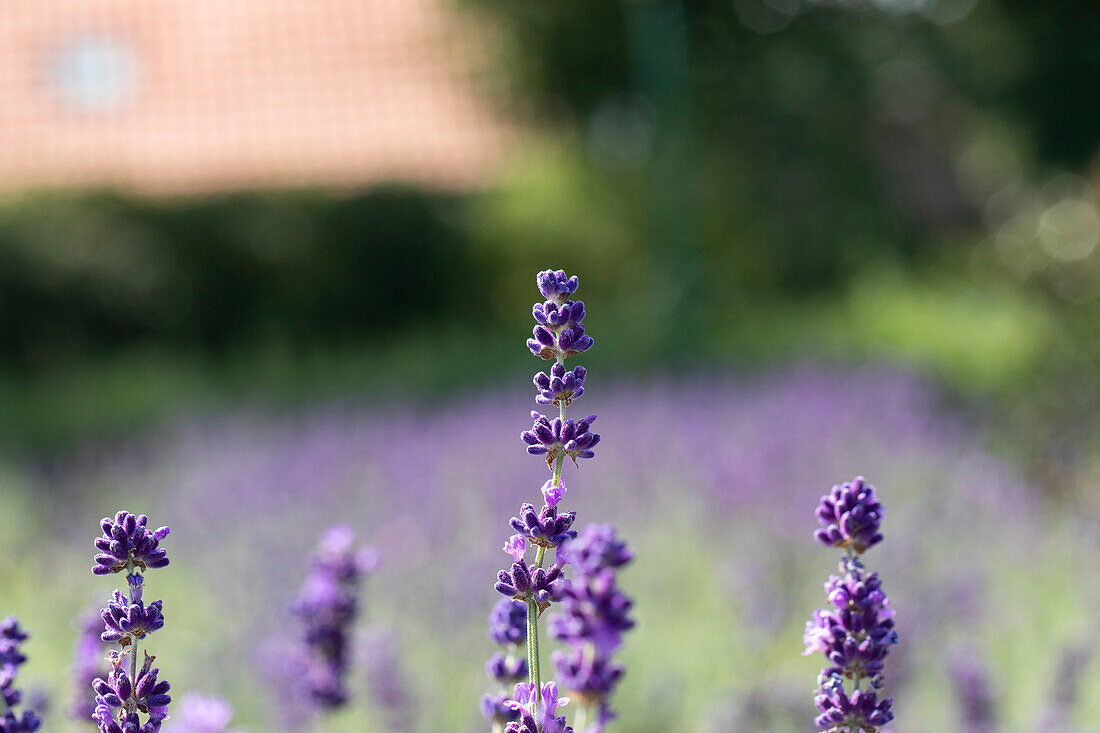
[(530, 589), (11, 659), (856, 634), (89, 654), (328, 606), (128, 545), (595, 613), (201, 714)]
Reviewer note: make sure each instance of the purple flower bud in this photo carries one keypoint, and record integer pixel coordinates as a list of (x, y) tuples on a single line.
[(850, 515), (506, 670), (147, 694), (127, 543), (557, 437), (560, 386), (544, 719), (555, 285), (201, 714), (126, 622), (862, 710), (496, 709), (595, 614), (552, 493), (508, 622), (546, 528), (597, 549)]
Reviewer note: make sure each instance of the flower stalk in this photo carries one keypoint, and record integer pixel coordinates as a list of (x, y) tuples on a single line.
[(856, 634), (557, 335), (128, 545)]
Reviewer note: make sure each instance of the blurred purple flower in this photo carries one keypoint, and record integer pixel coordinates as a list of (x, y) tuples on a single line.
[(970, 680), (736, 451), (387, 688), (328, 606), (11, 659), (89, 662), (196, 713)]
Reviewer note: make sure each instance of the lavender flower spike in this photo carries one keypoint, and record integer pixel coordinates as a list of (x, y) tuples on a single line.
[(328, 606), (11, 658), (856, 634), (596, 613), (123, 698)]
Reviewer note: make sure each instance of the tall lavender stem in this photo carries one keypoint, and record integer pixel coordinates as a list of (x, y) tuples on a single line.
[(856, 634), (559, 334), (128, 545)]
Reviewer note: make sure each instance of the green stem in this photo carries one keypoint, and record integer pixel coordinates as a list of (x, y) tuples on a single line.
[(581, 721), (133, 664), (532, 606), (533, 648), (133, 640)]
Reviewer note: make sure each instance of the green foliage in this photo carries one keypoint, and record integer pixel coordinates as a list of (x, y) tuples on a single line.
[(85, 275)]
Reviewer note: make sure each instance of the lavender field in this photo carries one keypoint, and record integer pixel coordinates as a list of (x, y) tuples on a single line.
[(713, 480)]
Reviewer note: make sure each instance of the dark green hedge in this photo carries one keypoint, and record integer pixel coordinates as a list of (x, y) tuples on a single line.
[(86, 274)]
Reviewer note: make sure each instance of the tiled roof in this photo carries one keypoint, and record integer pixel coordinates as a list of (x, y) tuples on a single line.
[(205, 95)]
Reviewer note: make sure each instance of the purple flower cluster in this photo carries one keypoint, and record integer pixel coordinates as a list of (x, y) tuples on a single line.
[(11, 658), (387, 686), (856, 633), (328, 606), (560, 437), (201, 714), (595, 613), (130, 618), (560, 386), (542, 585), (88, 663), (545, 528), (559, 332), (533, 717), (124, 697), (508, 628), (850, 514), (128, 544), (976, 701)]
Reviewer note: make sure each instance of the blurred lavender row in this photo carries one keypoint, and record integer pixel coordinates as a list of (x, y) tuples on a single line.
[(738, 459)]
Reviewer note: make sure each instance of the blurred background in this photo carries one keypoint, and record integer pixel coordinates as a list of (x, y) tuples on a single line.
[(265, 266)]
